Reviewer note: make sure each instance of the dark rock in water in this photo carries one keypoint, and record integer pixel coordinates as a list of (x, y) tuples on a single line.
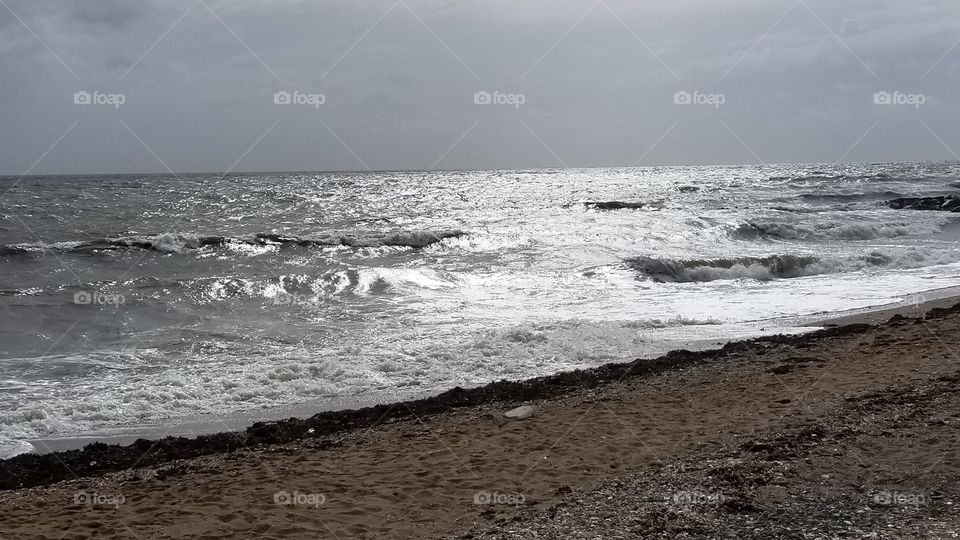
[(6, 251), (614, 205), (623, 205), (687, 189), (949, 203)]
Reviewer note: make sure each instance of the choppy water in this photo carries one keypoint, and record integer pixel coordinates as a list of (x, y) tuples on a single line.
[(140, 300)]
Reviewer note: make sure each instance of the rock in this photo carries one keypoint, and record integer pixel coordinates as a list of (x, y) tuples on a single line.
[(520, 413), (614, 205), (782, 369), (949, 203)]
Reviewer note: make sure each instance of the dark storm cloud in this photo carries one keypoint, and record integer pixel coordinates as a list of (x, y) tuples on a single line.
[(398, 81)]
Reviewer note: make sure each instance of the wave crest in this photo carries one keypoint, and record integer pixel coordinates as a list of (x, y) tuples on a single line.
[(770, 230), (778, 266), (179, 242), (761, 268)]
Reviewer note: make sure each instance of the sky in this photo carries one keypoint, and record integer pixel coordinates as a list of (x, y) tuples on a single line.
[(114, 86)]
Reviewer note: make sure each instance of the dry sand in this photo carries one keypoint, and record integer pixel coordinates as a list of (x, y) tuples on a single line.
[(720, 423)]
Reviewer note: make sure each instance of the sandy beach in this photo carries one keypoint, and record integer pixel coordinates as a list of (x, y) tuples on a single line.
[(846, 432)]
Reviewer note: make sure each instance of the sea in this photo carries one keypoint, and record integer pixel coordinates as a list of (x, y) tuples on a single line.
[(138, 303)]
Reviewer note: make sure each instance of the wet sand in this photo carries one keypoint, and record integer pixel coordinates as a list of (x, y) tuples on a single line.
[(454, 466)]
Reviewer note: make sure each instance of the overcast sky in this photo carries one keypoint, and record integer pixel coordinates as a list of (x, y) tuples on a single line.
[(579, 83)]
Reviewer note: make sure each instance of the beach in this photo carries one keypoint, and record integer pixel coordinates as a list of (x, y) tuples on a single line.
[(849, 431), (432, 270)]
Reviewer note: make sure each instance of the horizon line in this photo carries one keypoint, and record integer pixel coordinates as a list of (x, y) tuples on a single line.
[(496, 169)]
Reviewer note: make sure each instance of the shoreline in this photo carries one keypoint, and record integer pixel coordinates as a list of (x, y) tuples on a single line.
[(793, 433), (28, 470), (214, 425), (192, 427), (914, 305), (97, 455)]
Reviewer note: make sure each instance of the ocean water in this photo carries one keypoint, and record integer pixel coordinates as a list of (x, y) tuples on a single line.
[(133, 301)]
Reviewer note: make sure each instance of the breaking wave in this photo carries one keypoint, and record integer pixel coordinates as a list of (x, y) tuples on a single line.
[(771, 230), (179, 242), (762, 268), (776, 266)]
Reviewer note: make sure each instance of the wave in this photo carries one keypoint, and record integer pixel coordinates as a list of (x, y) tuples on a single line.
[(761, 268), (179, 242), (820, 176), (797, 209), (770, 230), (847, 197), (414, 239), (777, 266), (947, 203)]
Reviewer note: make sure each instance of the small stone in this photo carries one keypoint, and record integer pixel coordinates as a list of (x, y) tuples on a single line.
[(520, 413)]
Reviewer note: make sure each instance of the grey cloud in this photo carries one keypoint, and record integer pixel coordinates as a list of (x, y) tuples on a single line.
[(399, 97), (107, 14)]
